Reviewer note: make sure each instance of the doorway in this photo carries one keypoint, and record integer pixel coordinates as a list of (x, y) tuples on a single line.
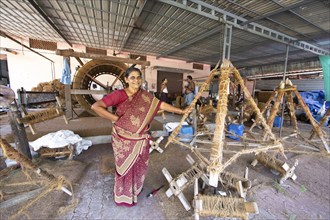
[(4, 76), (174, 84)]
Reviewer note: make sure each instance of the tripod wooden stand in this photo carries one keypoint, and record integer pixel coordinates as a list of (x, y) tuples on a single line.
[(211, 170), (288, 90)]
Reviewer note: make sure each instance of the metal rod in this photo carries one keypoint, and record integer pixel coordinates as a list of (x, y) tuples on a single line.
[(283, 99)]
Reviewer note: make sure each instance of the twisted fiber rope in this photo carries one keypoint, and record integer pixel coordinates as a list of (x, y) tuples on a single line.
[(292, 110), (250, 100), (33, 182), (315, 125), (195, 151), (194, 172), (275, 108), (36, 117), (190, 175), (264, 109), (270, 162), (56, 184), (205, 85), (217, 146), (321, 123), (230, 179), (13, 154), (220, 168), (222, 206)]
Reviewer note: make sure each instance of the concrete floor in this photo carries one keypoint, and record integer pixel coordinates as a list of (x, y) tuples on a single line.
[(306, 198)]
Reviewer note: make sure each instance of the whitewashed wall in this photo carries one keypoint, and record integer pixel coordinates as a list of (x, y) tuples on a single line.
[(27, 69)]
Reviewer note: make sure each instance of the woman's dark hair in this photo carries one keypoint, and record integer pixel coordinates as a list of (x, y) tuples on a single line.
[(189, 77), (132, 69), (163, 80)]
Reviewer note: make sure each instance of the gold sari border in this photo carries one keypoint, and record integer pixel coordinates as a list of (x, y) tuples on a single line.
[(130, 160), (152, 111)]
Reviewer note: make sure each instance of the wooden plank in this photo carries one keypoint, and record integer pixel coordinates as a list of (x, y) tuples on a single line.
[(60, 111), (88, 92), (68, 102), (97, 81), (251, 207), (71, 53), (30, 126), (21, 198), (20, 137)]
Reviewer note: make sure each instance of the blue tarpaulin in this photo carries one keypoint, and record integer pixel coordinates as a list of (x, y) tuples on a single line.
[(314, 100)]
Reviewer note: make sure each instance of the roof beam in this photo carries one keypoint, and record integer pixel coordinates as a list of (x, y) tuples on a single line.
[(267, 56), (191, 41), (223, 16), (72, 53), (218, 54), (23, 45), (280, 74), (138, 13), (51, 23), (8, 50), (283, 9)]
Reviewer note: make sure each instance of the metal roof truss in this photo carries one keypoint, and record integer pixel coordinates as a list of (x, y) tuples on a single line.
[(223, 16)]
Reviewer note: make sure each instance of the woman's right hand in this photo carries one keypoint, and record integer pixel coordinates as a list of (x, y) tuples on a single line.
[(100, 108), (184, 111)]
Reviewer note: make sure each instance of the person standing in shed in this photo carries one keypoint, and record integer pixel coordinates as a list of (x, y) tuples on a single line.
[(136, 108), (164, 91), (189, 90)]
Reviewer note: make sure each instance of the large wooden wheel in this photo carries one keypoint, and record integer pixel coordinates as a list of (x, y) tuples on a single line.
[(87, 74)]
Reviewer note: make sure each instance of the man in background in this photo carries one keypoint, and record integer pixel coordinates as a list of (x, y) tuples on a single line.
[(189, 90)]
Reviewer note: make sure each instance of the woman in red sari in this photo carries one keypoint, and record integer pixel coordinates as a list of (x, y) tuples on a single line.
[(136, 108)]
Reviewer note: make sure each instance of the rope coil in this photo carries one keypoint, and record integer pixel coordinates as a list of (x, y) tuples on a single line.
[(271, 162), (222, 206)]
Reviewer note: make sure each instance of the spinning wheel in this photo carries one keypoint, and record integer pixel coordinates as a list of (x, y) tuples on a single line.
[(90, 73)]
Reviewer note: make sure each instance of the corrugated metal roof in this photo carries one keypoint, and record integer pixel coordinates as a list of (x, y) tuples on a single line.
[(191, 32)]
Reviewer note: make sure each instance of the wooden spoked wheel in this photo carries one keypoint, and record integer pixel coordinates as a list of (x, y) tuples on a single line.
[(90, 73)]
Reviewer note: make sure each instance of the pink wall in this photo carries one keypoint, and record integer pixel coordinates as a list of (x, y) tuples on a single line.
[(27, 69)]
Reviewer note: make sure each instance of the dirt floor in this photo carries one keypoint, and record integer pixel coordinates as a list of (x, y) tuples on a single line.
[(91, 175)]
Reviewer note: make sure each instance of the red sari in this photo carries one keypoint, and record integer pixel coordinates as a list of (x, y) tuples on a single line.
[(130, 141)]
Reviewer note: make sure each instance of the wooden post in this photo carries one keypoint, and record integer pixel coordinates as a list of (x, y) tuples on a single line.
[(309, 115), (68, 103), (274, 110), (21, 141), (251, 102), (218, 142), (271, 98), (322, 121), (205, 85), (292, 111)]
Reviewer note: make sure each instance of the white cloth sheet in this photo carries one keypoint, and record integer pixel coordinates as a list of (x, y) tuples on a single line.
[(61, 139)]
